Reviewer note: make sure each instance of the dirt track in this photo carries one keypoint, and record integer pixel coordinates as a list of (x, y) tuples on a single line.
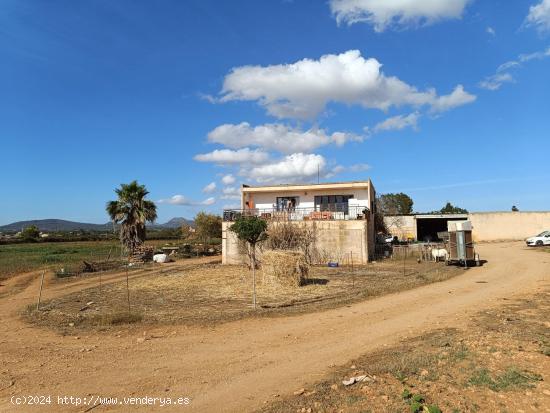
[(237, 366)]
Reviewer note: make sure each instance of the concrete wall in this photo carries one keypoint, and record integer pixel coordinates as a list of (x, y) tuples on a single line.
[(335, 241), (488, 226), (402, 226), (493, 226)]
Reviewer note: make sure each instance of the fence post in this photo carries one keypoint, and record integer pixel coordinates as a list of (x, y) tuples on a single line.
[(40, 293)]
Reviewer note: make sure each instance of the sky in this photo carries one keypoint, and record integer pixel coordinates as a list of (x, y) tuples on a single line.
[(445, 101)]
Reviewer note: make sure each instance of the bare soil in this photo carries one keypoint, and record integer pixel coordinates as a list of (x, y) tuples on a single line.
[(497, 364), (237, 366)]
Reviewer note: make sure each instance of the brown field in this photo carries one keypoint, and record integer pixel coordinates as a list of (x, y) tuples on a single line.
[(477, 341), (208, 294)]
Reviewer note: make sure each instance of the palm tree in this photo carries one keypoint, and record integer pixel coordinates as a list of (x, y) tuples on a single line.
[(131, 210)]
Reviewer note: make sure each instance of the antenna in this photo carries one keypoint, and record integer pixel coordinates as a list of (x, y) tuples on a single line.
[(317, 173)]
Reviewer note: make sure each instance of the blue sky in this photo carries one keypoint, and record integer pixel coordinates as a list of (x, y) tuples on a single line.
[(445, 103)]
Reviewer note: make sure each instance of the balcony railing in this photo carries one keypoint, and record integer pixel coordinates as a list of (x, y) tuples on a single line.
[(299, 214)]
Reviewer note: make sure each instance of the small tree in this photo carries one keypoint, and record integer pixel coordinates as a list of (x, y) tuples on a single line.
[(451, 209), (208, 226), (31, 233), (252, 230), (515, 208), (394, 204)]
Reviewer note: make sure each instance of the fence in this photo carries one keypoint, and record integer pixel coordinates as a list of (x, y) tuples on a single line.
[(327, 213)]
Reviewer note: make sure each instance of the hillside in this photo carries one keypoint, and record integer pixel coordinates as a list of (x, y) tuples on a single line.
[(52, 225)]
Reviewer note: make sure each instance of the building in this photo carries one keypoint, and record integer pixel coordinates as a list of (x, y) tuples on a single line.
[(341, 214), (487, 226)]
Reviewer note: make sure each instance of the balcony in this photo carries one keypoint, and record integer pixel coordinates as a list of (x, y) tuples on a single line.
[(326, 213)]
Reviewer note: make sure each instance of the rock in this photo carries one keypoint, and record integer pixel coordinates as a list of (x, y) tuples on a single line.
[(353, 367), (547, 392), (90, 303), (424, 373), (349, 382), (334, 387), (140, 339), (299, 392), (71, 324)]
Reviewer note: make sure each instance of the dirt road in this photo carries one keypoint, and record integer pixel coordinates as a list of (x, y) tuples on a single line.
[(237, 366)]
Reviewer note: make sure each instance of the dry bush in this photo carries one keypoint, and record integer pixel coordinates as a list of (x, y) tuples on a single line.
[(292, 237), (286, 268)]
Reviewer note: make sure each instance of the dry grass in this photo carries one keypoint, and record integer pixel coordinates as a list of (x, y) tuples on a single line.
[(499, 364), (284, 268), (212, 293)]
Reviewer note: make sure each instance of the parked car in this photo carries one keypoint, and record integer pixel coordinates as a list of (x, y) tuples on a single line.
[(538, 240)]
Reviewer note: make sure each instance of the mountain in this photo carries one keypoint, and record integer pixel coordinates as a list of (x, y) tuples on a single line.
[(174, 223), (51, 225), (56, 225)]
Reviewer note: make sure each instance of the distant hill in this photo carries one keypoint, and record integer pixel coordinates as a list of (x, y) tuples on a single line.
[(52, 225)]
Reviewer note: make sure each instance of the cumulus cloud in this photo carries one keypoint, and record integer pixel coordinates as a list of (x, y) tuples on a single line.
[(184, 201), (292, 168), (383, 14), (276, 136), (398, 122), (491, 31), (458, 97), (303, 89), (211, 187), (228, 179), (539, 16), (228, 156)]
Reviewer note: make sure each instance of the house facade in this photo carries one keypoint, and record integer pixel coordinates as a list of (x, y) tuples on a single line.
[(341, 214)]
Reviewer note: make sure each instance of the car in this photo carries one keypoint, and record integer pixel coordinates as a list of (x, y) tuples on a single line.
[(539, 240)]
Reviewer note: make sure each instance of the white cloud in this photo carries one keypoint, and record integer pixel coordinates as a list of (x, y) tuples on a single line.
[(228, 179), (360, 167), (398, 122), (182, 200), (383, 14), (303, 89), (211, 187), (457, 98), (231, 192), (539, 16), (228, 157), (292, 168), (209, 201), (503, 75), (491, 31), (496, 81), (276, 136)]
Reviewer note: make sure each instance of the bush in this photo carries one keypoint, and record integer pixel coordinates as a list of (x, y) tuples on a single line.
[(287, 236)]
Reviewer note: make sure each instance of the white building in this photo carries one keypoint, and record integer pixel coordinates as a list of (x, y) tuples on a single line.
[(340, 213)]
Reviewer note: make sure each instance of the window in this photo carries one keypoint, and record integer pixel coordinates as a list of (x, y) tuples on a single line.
[(335, 203)]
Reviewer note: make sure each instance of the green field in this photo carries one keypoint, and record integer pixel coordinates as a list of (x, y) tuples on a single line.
[(19, 258)]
